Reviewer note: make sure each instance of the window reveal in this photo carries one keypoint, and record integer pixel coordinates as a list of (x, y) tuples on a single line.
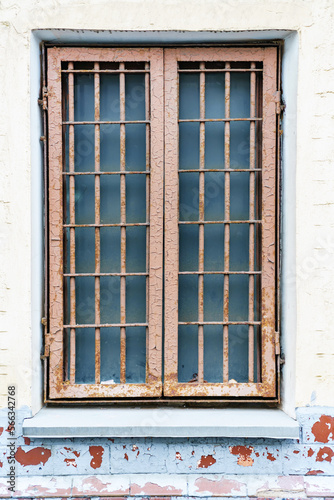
[(106, 125)]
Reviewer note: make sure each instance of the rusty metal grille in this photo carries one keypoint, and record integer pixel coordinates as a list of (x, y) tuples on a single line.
[(112, 133)]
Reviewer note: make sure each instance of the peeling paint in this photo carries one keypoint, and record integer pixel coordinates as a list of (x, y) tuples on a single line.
[(97, 454), (1, 464), (26, 440), (323, 429), (126, 456), (70, 461), (270, 457), (1, 430), (178, 456), (205, 461), (310, 452), (36, 456), (314, 472), (325, 453), (244, 454)]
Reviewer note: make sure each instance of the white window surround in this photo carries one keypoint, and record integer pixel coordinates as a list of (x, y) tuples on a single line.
[(167, 422)]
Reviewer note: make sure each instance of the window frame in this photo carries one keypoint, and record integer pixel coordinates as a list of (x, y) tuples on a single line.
[(57, 388)]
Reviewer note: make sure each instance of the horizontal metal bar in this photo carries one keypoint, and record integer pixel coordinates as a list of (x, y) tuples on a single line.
[(220, 222), (121, 224), (203, 120), (231, 170), (219, 272), (107, 71), (69, 275), (219, 70), (118, 172), (106, 325), (106, 122), (219, 323)]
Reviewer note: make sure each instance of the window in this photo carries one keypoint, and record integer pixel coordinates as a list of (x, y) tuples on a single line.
[(162, 216)]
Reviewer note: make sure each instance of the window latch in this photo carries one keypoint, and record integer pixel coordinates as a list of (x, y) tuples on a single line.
[(46, 340), (44, 101), (280, 106)]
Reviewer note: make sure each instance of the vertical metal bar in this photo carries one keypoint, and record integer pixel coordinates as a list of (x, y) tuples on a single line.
[(251, 227), (123, 221), (72, 220), (201, 229), (227, 217), (147, 139), (97, 229)]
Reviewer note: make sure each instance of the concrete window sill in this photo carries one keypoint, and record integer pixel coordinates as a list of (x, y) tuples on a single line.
[(160, 422)]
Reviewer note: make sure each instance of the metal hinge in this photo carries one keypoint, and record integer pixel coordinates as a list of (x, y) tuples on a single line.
[(280, 106), (46, 340), (277, 344), (44, 101)]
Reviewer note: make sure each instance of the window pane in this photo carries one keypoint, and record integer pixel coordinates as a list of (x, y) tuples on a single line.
[(85, 356), (110, 355), (188, 298), (84, 148), (110, 241), (110, 148), (187, 353), (214, 247), (189, 196), (238, 297), (135, 96), (214, 144), (240, 95), (85, 300), (110, 202), (135, 198), (84, 108), (110, 299), (215, 95), (189, 96), (239, 247), (213, 297), (109, 97), (238, 353), (84, 199), (213, 353), (239, 189), (239, 144), (136, 249), (214, 196), (136, 354), (84, 250), (188, 146), (135, 147), (135, 299), (188, 256)]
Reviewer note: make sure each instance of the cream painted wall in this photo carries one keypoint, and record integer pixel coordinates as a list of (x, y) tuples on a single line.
[(314, 204)]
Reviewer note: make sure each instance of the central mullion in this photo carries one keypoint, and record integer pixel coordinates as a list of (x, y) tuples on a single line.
[(201, 229), (123, 221), (97, 229)]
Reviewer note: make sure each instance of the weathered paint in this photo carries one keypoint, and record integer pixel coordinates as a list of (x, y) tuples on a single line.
[(205, 461), (97, 454), (244, 454), (325, 453), (34, 456), (323, 429)]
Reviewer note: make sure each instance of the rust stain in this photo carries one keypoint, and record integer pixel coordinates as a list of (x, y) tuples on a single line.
[(35, 456), (126, 456), (70, 461), (244, 454), (314, 472), (205, 461), (97, 454), (323, 429), (270, 457), (26, 440), (325, 453), (310, 452), (178, 456)]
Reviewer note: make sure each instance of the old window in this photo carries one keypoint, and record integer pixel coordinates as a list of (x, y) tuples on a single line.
[(162, 223)]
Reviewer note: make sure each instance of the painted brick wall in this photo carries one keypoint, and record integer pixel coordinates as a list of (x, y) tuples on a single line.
[(147, 467)]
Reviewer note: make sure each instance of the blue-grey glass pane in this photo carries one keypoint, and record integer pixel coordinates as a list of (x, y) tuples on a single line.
[(257, 351), (67, 146), (85, 356), (188, 297), (215, 95), (109, 97), (67, 352), (110, 148), (110, 244), (239, 247), (135, 96), (85, 300), (110, 299), (66, 250), (214, 196), (135, 146), (136, 198), (136, 249), (188, 248), (84, 109), (110, 355), (238, 353), (135, 299), (239, 144), (67, 301), (84, 148), (257, 303), (85, 250), (240, 95), (214, 144), (213, 353), (110, 201), (238, 297), (213, 297), (189, 196), (188, 146), (66, 186), (239, 190), (189, 96), (65, 94), (214, 247), (84, 199), (135, 354), (187, 353)]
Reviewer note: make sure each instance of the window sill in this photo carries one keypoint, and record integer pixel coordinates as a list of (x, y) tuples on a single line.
[(160, 422)]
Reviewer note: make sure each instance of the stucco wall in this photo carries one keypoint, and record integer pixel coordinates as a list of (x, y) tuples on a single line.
[(313, 275)]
